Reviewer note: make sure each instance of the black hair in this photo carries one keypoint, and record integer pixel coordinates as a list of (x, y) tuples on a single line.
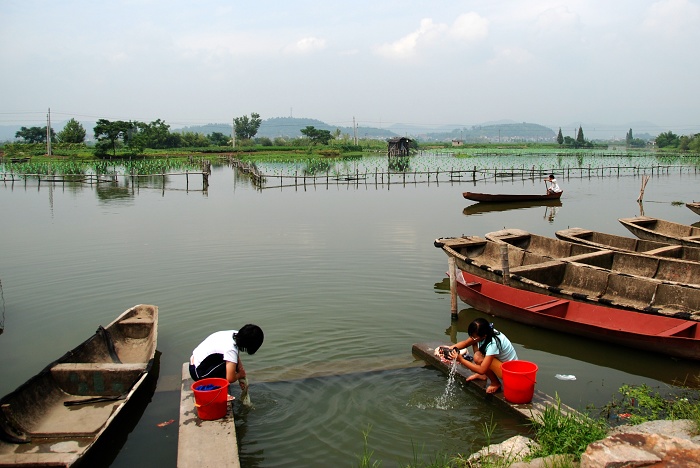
[(249, 338), (551, 176), (482, 328)]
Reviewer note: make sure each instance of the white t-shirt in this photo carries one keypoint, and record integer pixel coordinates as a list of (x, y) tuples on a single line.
[(555, 186), (220, 342)]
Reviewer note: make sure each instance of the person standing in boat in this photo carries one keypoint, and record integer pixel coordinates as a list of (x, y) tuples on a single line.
[(491, 349), (553, 187), (219, 354)]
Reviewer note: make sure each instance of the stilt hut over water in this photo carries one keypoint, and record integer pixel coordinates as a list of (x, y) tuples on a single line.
[(399, 146)]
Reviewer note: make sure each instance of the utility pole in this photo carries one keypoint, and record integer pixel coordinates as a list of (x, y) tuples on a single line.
[(354, 131), (48, 133)]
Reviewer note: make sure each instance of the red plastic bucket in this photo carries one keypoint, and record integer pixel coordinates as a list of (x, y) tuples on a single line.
[(519, 379), (211, 404)]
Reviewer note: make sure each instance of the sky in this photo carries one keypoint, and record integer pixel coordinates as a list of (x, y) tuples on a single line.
[(429, 63)]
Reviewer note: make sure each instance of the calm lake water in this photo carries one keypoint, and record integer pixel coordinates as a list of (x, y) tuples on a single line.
[(342, 278)]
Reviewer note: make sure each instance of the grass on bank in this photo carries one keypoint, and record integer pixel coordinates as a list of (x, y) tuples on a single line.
[(568, 435)]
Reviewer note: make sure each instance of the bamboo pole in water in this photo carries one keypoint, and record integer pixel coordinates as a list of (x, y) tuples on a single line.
[(453, 286), (504, 263)]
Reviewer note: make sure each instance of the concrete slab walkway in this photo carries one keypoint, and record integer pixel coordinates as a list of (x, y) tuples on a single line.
[(204, 444)]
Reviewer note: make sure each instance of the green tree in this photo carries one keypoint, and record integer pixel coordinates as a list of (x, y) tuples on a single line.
[(219, 139), (560, 137), (246, 128), (108, 134), (667, 139), (153, 135), (34, 134), (629, 138), (73, 132), (316, 135), (579, 137)]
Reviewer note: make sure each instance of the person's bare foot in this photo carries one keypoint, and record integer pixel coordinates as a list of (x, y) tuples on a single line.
[(493, 388), (476, 377)]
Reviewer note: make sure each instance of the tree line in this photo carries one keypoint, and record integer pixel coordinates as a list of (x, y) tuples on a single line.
[(135, 136)]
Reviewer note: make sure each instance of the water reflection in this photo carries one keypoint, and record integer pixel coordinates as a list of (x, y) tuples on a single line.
[(486, 207)]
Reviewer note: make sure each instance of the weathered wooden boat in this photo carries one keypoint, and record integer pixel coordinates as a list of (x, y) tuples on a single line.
[(57, 416), (571, 280), (487, 207), (694, 207), (669, 270), (665, 335), (630, 244), (504, 197), (661, 230)]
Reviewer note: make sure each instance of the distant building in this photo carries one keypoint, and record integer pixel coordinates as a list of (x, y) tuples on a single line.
[(399, 146), (457, 142)]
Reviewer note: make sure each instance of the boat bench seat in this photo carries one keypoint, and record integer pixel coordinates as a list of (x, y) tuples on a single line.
[(692, 238), (683, 329), (136, 327), (96, 378), (555, 307)]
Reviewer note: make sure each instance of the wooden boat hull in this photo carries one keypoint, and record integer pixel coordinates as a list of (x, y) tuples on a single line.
[(665, 335), (570, 280), (629, 244), (642, 265), (56, 417), (660, 230), (694, 207), (509, 198)]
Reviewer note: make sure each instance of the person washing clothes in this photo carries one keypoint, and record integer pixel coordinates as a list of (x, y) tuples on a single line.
[(491, 348), (219, 354)]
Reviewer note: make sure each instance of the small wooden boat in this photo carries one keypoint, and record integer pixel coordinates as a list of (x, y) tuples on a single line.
[(694, 207), (630, 244), (509, 198), (665, 335), (57, 416), (571, 280), (669, 270), (660, 230)]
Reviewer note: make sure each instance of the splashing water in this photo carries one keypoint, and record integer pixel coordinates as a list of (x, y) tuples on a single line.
[(245, 395), (444, 401)]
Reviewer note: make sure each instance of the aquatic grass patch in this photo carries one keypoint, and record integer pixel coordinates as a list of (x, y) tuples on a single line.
[(636, 404)]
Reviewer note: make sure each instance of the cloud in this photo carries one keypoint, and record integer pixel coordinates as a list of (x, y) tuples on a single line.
[(468, 27), (672, 17), (407, 46), (306, 45)]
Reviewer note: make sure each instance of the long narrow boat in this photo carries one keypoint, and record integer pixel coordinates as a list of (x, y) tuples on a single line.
[(504, 197), (629, 244), (570, 280), (57, 416), (665, 335), (694, 207), (660, 230), (665, 269)]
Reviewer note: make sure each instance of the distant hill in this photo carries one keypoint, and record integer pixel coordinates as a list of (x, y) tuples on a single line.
[(506, 132)]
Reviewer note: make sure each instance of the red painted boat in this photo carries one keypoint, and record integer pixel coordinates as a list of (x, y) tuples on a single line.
[(509, 198), (661, 334)]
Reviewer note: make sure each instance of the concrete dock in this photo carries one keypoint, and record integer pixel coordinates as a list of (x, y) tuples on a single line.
[(204, 444), (534, 409)]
